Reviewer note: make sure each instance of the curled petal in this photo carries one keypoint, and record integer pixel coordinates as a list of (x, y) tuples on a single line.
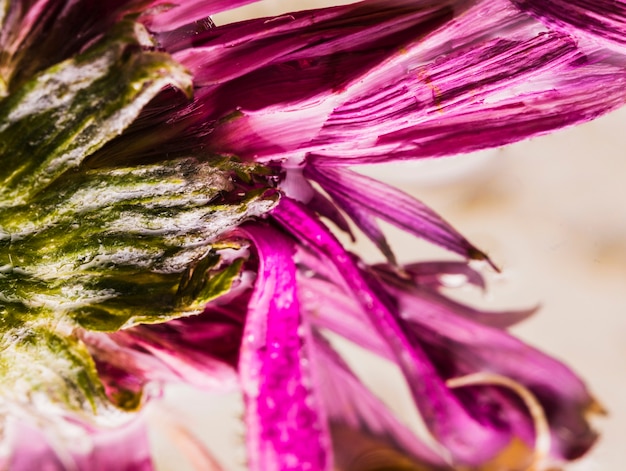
[(542, 429), (392, 205), (460, 346), (467, 440), (199, 350), (349, 403), (286, 428), (602, 20)]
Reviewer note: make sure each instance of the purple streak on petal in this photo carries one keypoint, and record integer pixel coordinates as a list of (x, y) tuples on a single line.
[(602, 20), (467, 440), (348, 402), (484, 96), (234, 50), (286, 428), (123, 448), (463, 346), (374, 198)]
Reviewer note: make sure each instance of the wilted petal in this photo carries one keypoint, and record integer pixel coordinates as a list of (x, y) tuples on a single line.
[(286, 426), (459, 346), (200, 350), (467, 440), (230, 51), (371, 197), (473, 97), (602, 20), (397, 86), (349, 403)]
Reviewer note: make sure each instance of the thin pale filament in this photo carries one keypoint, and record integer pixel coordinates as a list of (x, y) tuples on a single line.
[(542, 428)]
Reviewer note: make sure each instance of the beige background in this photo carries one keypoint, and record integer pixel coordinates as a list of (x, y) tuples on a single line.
[(550, 211)]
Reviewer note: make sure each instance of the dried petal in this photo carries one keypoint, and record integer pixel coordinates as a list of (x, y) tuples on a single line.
[(286, 427)]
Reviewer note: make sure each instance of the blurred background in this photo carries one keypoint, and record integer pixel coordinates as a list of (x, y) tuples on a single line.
[(550, 212)]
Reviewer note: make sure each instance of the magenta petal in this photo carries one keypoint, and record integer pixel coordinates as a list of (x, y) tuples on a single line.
[(460, 346), (366, 222), (333, 309), (501, 80), (365, 28), (289, 73), (326, 208), (394, 206), (200, 350), (433, 301), (348, 402), (603, 20), (286, 428), (466, 439)]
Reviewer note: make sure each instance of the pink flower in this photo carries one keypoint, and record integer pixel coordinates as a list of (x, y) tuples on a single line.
[(163, 223)]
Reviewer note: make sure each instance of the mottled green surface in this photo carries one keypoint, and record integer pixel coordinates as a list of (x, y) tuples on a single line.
[(101, 248)]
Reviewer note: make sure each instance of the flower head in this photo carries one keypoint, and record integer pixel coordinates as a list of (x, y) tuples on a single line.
[(164, 187)]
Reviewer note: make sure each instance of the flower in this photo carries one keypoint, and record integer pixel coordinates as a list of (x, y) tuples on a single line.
[(161, 211)]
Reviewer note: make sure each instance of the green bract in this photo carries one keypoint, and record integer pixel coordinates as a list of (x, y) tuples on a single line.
[(108, 246)]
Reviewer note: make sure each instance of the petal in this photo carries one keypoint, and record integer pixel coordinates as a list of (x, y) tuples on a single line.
[(366, 222), (348, 402), (460, 346), (286, 427), (371, 197), (468, 441), (230, 51), (413, 81), (443, 274), (332, 308), (602, 20), (325, 208), (200, 350), (296, 68), (487, 88)]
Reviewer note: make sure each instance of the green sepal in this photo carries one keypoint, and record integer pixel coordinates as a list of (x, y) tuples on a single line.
[(43, 365), (103, 247), (110, 248), (67, 112)]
